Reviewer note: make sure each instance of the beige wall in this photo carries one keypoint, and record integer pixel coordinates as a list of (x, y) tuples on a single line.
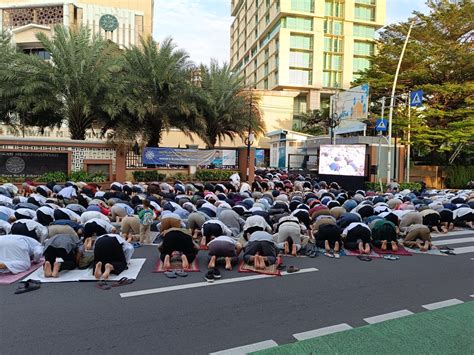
[(141, 5)]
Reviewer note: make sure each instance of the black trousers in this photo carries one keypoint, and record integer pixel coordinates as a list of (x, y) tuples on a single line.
[(178, 241), (69, 263), (355, 236), (211, 230), (22, 229), (264, 248), (109, 251), (93, 228)]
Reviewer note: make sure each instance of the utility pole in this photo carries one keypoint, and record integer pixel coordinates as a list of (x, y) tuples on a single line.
[(392, 103), (380, 146)]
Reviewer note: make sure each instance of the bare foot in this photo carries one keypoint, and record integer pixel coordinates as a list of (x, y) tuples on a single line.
[(261, 263), (166, 263), (425, 246), (384, 245), (212, 262), (47, 269), (185, 261), (327, 247), (361, 248), (444, 229), (293, 250), (98, 270), (287, 248), (203, 242), (228, 263), (394, 246), (336, 247), (367, 248), (108, 269), (56, 268)]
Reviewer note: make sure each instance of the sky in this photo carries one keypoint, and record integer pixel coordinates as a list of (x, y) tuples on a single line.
[(202, 27)]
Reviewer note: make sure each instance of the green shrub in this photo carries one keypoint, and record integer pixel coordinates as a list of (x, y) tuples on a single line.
[(179, 176), (148, 176), (457, 176), (375, 186), (213, 175), (53, 176), (97, 177), (80, 175)]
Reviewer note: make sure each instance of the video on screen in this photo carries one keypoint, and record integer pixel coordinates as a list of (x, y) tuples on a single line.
[(348, 160)]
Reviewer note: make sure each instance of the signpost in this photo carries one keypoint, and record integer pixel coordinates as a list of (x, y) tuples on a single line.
[(415, 100), (381, 125)]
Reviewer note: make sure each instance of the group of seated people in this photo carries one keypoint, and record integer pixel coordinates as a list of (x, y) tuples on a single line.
[(79, 225)]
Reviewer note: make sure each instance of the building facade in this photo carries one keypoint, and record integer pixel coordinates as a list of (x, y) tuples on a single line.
[(313, 47), (125, 21)]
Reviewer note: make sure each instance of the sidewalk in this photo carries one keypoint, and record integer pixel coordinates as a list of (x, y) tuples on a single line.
[(444, 331)]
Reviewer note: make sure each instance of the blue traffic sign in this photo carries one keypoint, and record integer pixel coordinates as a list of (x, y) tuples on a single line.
[(381, 125), (416, 98)]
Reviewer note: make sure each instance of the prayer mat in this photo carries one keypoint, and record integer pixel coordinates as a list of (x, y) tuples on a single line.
[(372, 254), (177, 265), (9, 278), (429, 252), (401, 251), (134, 267), (269, 270)]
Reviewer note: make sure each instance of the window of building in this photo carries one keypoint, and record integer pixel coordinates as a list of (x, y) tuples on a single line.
[(300, 77), (267, 19), (298, 23), (268, 3), (256, 32), (365, 2), (39, 52), (332, 61), (364, 31), (364, 13), (364, 48), (333, 27), (276, 77), (277, 60), (334, 8), (360, 64), (265, 84), (333, 44), (266, 53), (332, 79), (265, 69), (300, 104), (302, 5), (301, 42), (301, 59)]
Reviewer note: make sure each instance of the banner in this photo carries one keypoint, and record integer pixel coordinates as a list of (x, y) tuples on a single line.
[(32, 164), (192, 157), (353, 103)]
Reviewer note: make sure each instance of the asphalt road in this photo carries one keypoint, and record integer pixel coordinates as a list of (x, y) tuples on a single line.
[(80, 318)]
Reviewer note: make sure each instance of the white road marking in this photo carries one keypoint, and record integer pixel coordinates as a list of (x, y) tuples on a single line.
[(453, 241), (388, 316), (322, 331), (471, 296), (451, 233), (241, 350), (207, 284), (442, 304), (464, 250)]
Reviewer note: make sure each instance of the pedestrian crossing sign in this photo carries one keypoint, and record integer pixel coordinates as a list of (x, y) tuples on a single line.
[(381, 125), (416, 98)]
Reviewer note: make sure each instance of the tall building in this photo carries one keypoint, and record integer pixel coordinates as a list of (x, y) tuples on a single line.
[(313, 47), (122, 21)]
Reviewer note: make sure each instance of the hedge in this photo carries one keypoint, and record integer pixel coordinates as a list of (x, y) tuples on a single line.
[(148, 176), (375, 186), (213, 175), (458, 177), (59, 176)]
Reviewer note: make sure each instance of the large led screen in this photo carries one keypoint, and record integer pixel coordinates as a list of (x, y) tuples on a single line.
[(348, 160)]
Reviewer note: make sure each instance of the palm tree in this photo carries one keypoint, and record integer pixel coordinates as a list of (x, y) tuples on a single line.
[(77, 87), (228, 108), (315, 122), (158, 92)]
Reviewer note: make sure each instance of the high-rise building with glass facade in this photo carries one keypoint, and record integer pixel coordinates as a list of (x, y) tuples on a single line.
[(311, 46)]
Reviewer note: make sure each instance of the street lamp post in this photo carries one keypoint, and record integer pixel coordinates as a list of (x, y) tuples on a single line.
[(392, 103), (250, 137)]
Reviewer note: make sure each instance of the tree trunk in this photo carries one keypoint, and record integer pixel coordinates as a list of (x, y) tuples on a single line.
[(77, 127)]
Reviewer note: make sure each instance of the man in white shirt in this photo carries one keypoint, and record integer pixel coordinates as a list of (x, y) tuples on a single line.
[(17, 252), (88, 215)]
